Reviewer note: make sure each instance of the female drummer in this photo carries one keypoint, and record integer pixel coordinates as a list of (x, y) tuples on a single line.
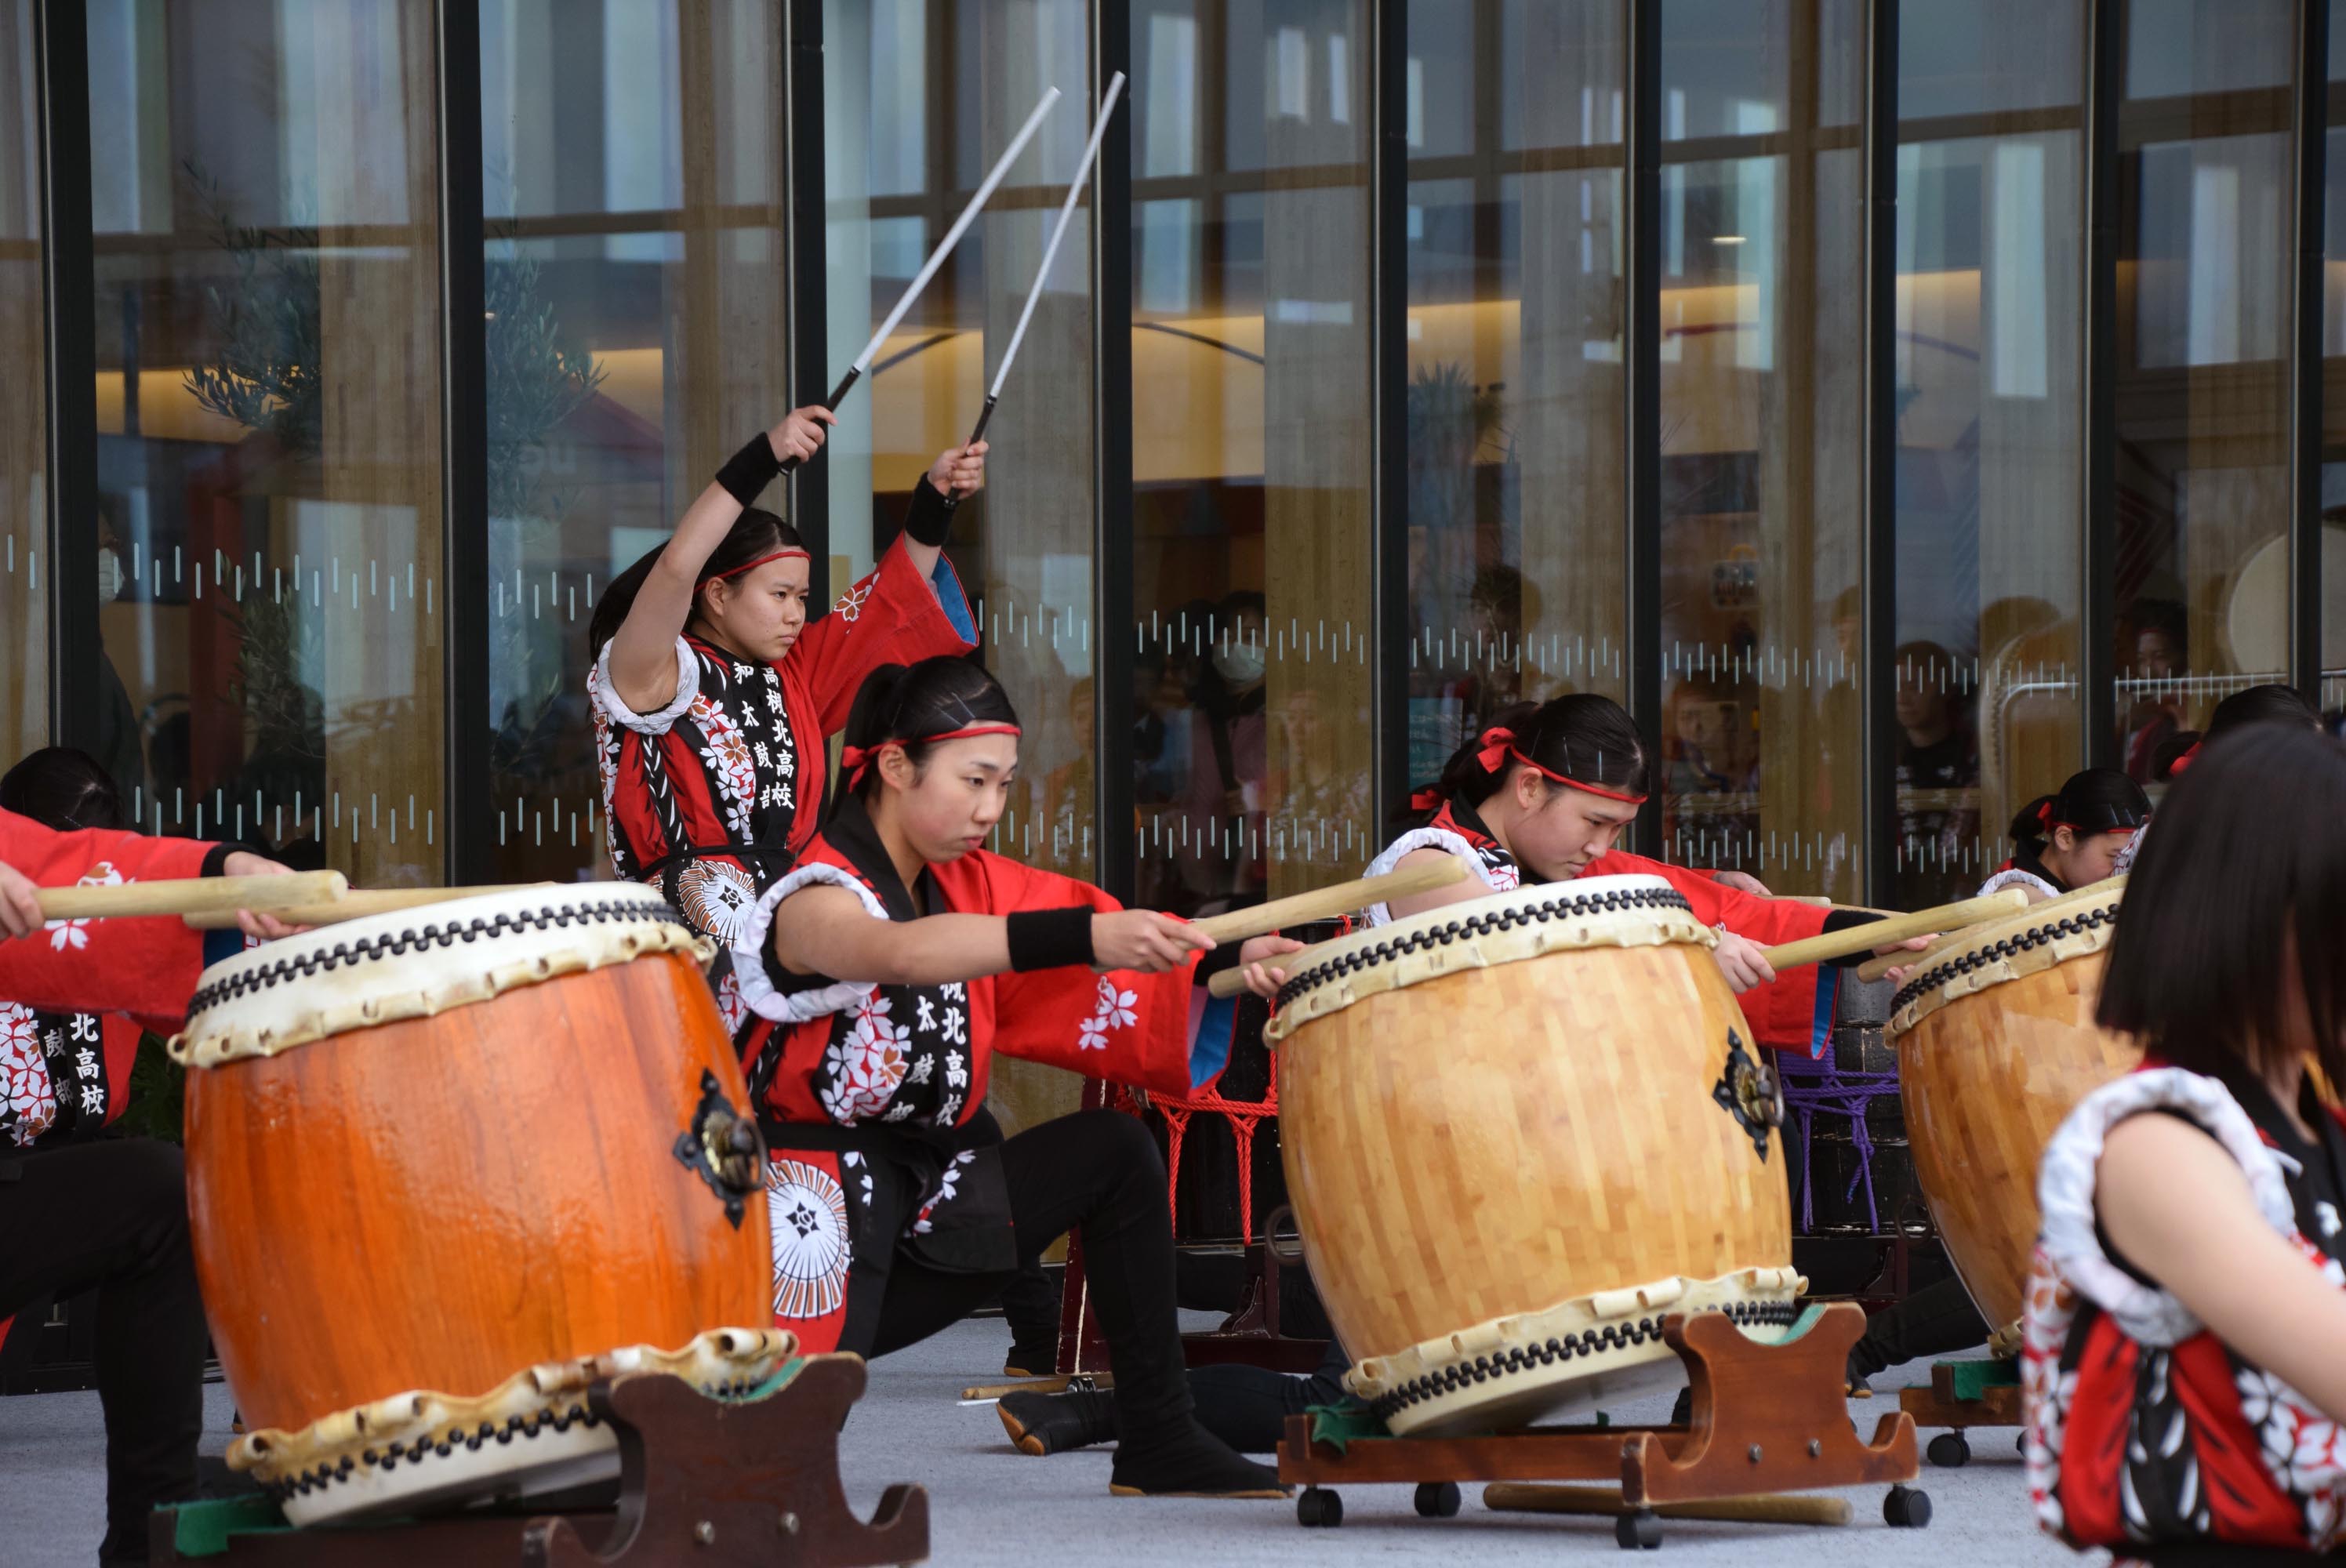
[(2184, 1392), (713, 689), (901, 957), (1542, 795), (2072, 839)]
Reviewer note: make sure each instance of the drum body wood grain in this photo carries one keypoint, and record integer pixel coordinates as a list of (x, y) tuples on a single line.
[(441, 1202), (1990, 1060), (1517, 1157)]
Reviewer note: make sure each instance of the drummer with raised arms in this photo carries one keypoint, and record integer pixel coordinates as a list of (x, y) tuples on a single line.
[(713, 687), (1542, 796), (901, 956), (2072, 839)]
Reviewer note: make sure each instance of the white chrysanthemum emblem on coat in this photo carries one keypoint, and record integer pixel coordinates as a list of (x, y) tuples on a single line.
[(728, 756), (807, 1212), (717, 896), (25, 1088), (865, 1066), (1115, 1011)]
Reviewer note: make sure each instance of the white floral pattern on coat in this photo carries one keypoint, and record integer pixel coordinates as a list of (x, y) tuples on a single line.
[(26, 1091), (730, 762), (863, 1067), (1115, 1010)]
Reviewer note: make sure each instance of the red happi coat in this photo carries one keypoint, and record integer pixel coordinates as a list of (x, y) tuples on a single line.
[(1792, 1013), (711, 798), (2146, 1433), (870, 1095)]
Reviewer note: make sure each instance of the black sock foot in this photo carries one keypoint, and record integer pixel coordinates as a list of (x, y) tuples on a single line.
[(1188, 1462), (1042, 1424), (1031, 1360)]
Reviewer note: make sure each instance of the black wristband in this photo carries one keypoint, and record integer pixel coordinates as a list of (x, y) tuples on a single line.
[(928, 520), (1051, 938), (216, 858), (1846, 919), (748, 472)]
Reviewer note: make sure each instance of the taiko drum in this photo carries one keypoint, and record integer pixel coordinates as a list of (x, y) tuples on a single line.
[(1519, 1131), (1996, 1043), (431, 1151)]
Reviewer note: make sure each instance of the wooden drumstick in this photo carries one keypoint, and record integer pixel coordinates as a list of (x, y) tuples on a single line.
[(1783, 1508), (1897, 928), (359, 902), (1327, 903), (193, 896)]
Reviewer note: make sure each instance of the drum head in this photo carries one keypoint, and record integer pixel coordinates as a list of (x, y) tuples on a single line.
[(2075, 925)]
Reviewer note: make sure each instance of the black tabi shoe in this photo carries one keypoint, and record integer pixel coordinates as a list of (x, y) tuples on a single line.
[(1188, 1462), (1044, 1424)]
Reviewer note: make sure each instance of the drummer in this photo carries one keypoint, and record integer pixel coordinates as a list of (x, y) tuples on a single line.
[(1542, 795), (901, 956), (2268, 704), (713, 688), (79, 1213), (2072, 839)]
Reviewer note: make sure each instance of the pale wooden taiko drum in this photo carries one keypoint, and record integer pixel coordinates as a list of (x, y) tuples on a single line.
[(1519, 1133), (1996, 1043)]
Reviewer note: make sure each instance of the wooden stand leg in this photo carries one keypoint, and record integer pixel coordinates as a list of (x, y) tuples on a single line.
[(715, 1482), (1962, 1395), (1767, 1419)]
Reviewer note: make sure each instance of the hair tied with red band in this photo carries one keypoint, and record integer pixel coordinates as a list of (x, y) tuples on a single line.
[(1497, 744), (2184, 761), (782, 555), (2044, 814), (1429, 798), (854, 760)]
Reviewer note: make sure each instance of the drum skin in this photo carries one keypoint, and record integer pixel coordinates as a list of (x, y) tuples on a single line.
[(440, 1203), (1498, 1140), (1987, 1079)]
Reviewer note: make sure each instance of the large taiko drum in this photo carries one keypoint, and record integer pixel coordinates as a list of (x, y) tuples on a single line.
[(448, 1166), (1996, 1043), (1519, 1133)]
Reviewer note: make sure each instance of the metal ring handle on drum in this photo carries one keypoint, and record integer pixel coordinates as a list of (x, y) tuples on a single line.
[(723, 1147)]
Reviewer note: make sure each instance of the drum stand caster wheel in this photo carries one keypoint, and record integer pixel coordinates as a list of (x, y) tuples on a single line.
[(1639, 1532), (1950, 1450), (1319, 1508), (1906, 1508), (1437, 1500)]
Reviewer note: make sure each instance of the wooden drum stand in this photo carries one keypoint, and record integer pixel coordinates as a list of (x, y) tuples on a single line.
[(705, 1480), (1767, 1419)]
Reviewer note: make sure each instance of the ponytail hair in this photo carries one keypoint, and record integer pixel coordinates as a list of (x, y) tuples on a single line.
[(2097, 801), (755, 534), (915, 706), (1585, 741)]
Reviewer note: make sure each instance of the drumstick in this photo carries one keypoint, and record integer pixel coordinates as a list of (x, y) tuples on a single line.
[(1879, 968), (192, 895), (1513, 1497), (1897, 928), (358, 904), (1324, 904), (1327, 903)]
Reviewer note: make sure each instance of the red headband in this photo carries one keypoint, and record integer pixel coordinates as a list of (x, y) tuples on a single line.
[(2184, 761), (1499, 745), (778, 555), (854, 760)]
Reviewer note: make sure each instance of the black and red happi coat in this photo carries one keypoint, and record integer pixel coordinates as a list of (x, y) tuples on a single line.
[(2146, 1433), (1792, 1013), (711, 798), (867, 1094)]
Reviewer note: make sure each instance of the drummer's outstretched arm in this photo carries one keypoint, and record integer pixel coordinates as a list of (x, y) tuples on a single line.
[(827, 931), (958, 472), (1456, 892)]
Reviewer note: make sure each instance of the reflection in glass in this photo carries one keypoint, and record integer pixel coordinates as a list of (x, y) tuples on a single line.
[(1515, 447), (267, 320), (1251, 442), (1991, 236), (1762, 426), (2202, 350), (635, 338), (24, 432)]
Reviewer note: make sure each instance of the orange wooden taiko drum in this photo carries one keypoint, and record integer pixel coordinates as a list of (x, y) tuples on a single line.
[(1996, 1043), (448, 1166), (1519, 1133)]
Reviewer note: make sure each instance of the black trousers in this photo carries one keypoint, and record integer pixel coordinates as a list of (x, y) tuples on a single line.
[(1248, 1407), (112, 1216), (1097, 1172), (1936, 1320)]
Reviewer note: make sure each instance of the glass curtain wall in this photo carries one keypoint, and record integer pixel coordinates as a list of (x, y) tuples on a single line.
[(632, 180), (1762, 384), (263, 181), (24, 413), (1518, 308), (1990, 427), (2205, 228), (1252, 409)]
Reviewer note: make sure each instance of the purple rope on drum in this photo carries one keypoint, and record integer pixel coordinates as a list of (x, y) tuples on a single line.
[(1816, 1087)]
